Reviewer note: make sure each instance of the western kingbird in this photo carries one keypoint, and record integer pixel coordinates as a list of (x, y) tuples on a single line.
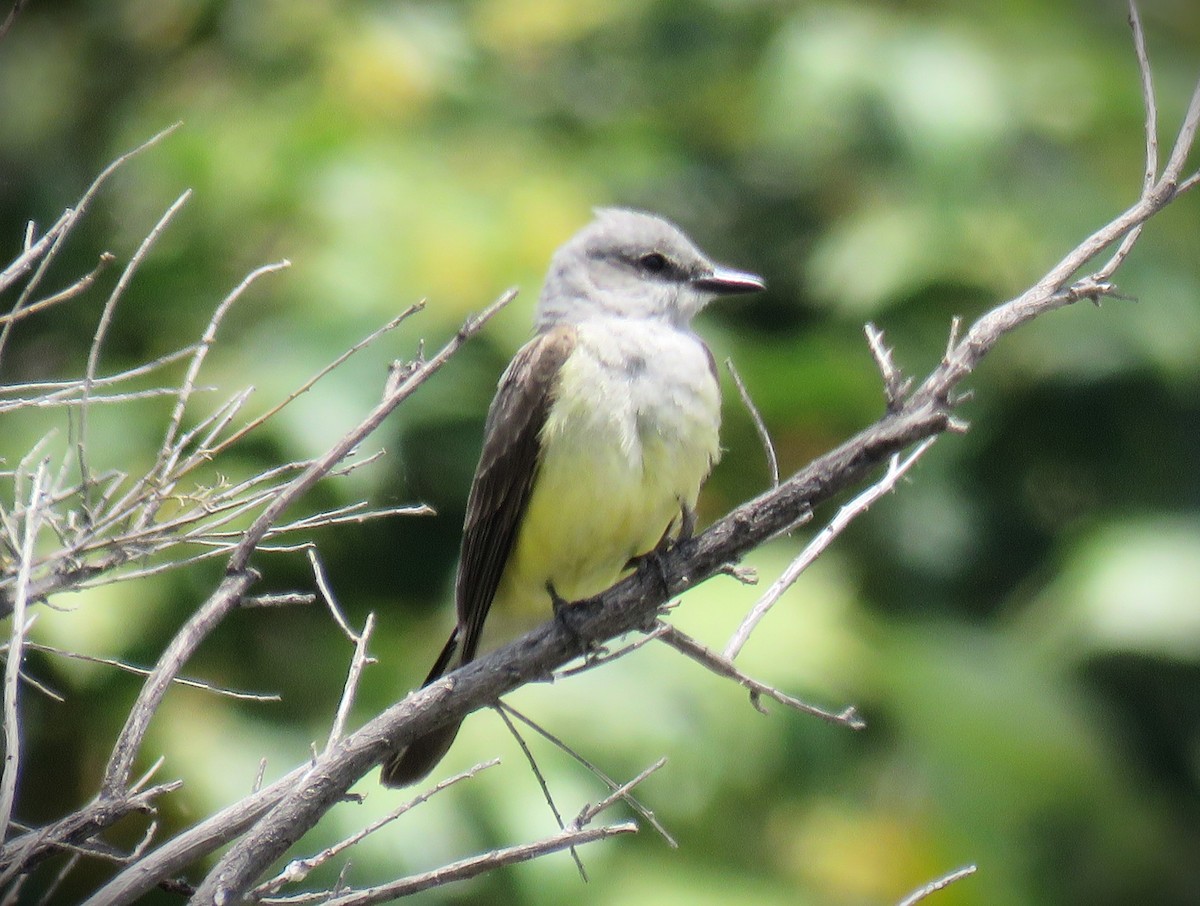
[(602, 430)]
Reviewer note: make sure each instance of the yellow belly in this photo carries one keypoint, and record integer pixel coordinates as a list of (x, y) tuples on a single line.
[(621, 456)]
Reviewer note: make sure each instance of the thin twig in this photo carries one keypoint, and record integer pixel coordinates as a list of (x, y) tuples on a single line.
[(142, 671), (299, 869), (282, 599), (588, 812), (307, 385), (32, 252), (357, 664), (547, 796), (350, 514), (722, 666), (164, 461), (591, 662), (632, 801), (15, 11), (51, 890), (477, 865), (934, 886), (79, 287), (764, 436), (193, 844), (1148, 100), (58, 389), (895, 385), (847, 514), (48, 247), (314, 562), (79, 830), (12, 667), (101, 331)]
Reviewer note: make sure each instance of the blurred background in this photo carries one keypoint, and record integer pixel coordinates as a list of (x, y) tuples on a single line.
[(1019, 624)]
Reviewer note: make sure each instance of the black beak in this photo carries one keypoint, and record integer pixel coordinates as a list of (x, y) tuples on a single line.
[(725, 281)]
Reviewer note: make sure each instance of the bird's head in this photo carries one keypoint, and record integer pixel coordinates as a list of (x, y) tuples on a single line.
[(636, 265)]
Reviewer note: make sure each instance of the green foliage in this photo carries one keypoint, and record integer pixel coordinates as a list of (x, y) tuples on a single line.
[(1018, 624)]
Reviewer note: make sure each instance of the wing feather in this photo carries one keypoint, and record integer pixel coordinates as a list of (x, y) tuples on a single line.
[(504, 478)]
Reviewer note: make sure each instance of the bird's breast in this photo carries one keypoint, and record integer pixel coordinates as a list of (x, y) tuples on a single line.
[(648, 389), (631, 435)]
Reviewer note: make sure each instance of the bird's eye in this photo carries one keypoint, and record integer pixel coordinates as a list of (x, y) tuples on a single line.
[(653, 263)]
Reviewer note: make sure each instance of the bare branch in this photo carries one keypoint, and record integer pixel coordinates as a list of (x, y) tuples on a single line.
[(764, 436), (47, 248), (594, 659), (12, 666), (588, 812), (165, 461), (307, 385), (357, 665), (630, 800), (1181, 149), (322, 580), (22, 853), (934, 886), (895, 385), (239, 578), (227, 596), (30, 254), (80, 286), (284, 599), (1147, 79), (547, 796), (52, 888), (351, 514), (205, 838), (722, 666), (13, 12), (847, 514), (299, 869), (477, 865), (142, 671), (93, 360)]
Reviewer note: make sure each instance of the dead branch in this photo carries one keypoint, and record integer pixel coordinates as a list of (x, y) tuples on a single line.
[(821, 541), (939, 884), (470, 868)]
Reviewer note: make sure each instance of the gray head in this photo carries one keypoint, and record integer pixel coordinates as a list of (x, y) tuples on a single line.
[(635, 265)]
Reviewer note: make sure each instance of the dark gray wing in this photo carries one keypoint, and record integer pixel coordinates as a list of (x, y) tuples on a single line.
[(499, 494), (504, 477)]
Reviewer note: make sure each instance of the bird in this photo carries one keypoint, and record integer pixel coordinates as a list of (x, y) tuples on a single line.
[(603, 428)]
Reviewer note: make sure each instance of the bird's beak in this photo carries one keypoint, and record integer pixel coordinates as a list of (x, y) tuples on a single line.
[(725, 281)]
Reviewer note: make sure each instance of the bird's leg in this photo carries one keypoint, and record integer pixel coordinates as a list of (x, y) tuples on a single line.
[(653, 557), (653, 560), (687, 522), (565, 616)]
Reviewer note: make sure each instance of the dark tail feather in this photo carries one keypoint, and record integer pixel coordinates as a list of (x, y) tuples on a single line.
[(421, 756)]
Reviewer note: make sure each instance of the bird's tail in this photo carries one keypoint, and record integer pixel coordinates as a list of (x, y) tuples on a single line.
[(421, 755)]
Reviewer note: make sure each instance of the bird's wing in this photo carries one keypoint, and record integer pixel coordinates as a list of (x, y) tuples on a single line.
[(504, 478)]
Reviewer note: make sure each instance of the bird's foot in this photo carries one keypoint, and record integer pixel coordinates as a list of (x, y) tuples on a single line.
[(568, 617)]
